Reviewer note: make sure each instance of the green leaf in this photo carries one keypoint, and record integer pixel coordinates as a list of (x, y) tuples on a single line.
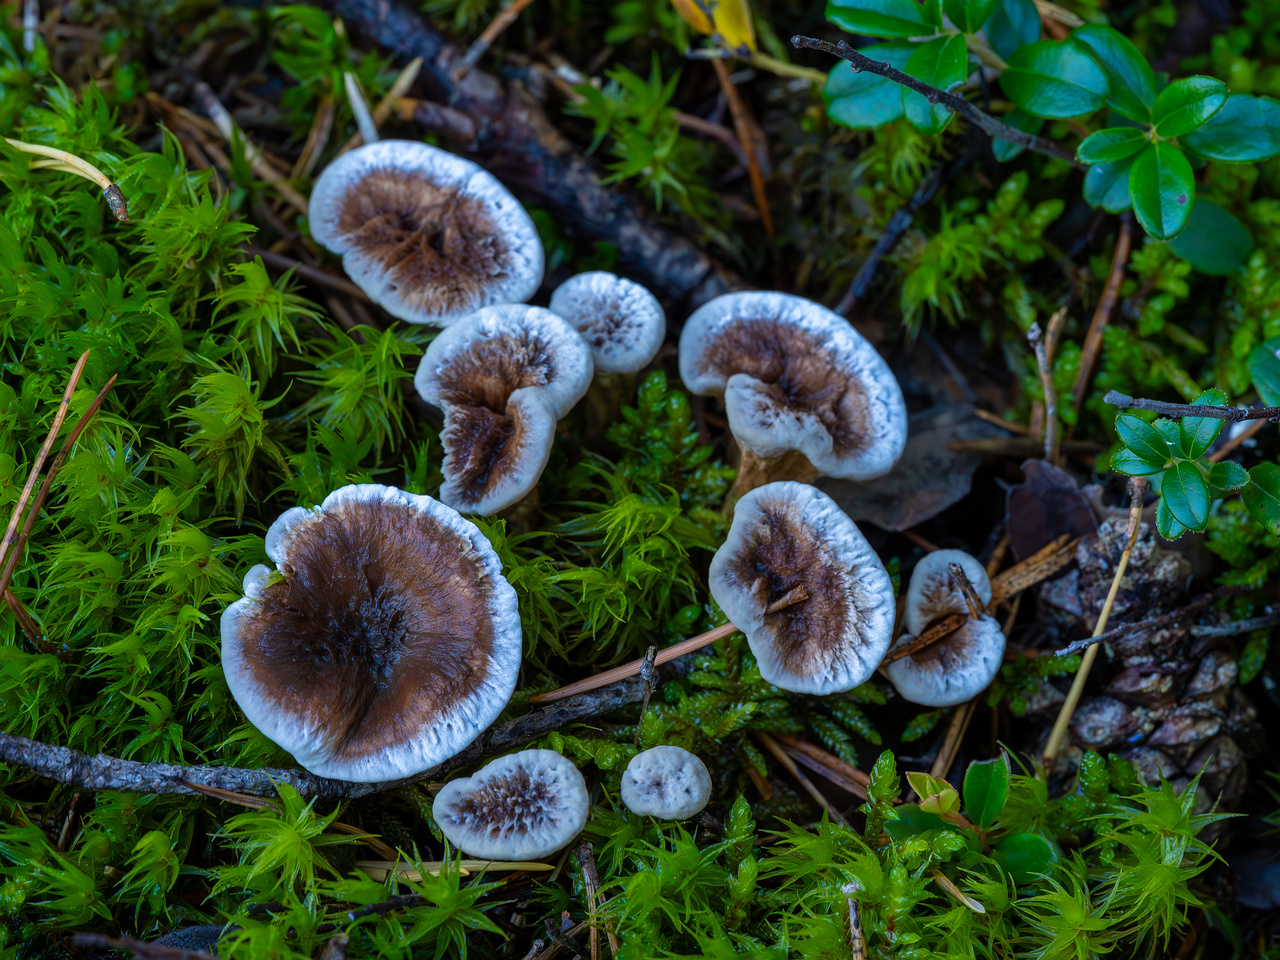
[(1130, 79), (986, 788), (1025, 856), (1019, 119), (1106, 185), (1227, 477), (1213, 241), (940, 62), (1053, 78), (1142, 438), (1264, 368), (1012, 24), (1127, 462), (1163, 189), (1186, 494), (969, 15), (1262, 496), (862, 100), (1171, 432), (911, 820), (892, 19), (1245, 130), (1254, 655), (1113, 143), (1166, 525), (1187, 105), (1198, 433)]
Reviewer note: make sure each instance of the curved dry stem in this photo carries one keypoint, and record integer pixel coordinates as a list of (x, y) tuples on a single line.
[(64, 162)]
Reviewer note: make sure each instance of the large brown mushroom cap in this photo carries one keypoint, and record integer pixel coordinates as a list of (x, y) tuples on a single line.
[(503, 377), (791, 548), (429, 236), (796, 377), (387, 641)]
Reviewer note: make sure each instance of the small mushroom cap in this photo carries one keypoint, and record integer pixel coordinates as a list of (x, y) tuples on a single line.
[(519, 807), (387, 641), (622, 322), (503, 377), (795, 376), (790, 540), (666, 782), (953, 670), (934, 594), (429, 236)]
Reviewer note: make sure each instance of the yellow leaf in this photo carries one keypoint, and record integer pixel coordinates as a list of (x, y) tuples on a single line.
[(730, 19)]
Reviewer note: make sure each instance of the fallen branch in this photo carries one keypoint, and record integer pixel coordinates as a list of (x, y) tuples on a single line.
[(520, 145), (102, 772), (1155, 623), (1234, 414), (139, 948), (983, 121)]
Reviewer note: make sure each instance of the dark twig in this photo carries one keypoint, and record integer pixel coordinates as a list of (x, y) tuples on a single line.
[(1235, 627), (1043, 364), (307, 272), (390, 905), (1155, 623), (985, 122), (139, 948), (1234, 414), (104, 772)]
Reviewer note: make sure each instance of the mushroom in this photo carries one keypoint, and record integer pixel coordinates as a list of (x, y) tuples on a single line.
[(961, 665), (806, 395), (666, 782), (503, 377), (800, 580), (621, 321), (385, 642), (519, 807), (427, 235)]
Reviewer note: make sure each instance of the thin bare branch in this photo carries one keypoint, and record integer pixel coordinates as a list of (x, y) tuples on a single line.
[(1234, 414)]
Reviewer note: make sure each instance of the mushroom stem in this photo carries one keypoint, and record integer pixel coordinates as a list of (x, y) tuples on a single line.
[(633, 668), (755, 471), (65, 162), (1137, 486)]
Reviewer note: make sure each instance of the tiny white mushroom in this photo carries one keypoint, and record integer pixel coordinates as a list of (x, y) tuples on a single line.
[(503, 377), (385, 643), (622, 322), (800, 580), (428, 235), (666, 782), (519, 807), (805, 394)]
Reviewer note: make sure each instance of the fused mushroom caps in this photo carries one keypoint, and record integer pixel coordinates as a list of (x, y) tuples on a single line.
[(934, 594), (503, 377), (666, 782), (386, 642), (800, 580), (519, 807), (796, 377), (622, 322), (954, 669), (429, 236)]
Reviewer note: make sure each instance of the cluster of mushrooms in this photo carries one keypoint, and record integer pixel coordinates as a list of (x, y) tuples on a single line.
[(386, 639)]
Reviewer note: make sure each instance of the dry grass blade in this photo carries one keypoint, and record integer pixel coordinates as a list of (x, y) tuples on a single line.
[(955, 734), (843, 775), (386, 106), (1102, 313), (752, 138), (781, 756)]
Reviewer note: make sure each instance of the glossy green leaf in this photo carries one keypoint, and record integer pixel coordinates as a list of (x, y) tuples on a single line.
[(1213, 241), (1130, 80), (911, 820), (1187, 495), (1106, 185), (1025, 856), (1142, 438), (1264, 368), (1245, 130), (891, 19), (969, 15), (1227, 477), (1012, 24), (1166, 525), (1019, 119), (1171, 433), (1163, 188), (1262, 496), (986, 788), (1198, 433), (1053, 78), (1187, 105), (1113, 143), (1126, 462), (940, 62), (863, 100)]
